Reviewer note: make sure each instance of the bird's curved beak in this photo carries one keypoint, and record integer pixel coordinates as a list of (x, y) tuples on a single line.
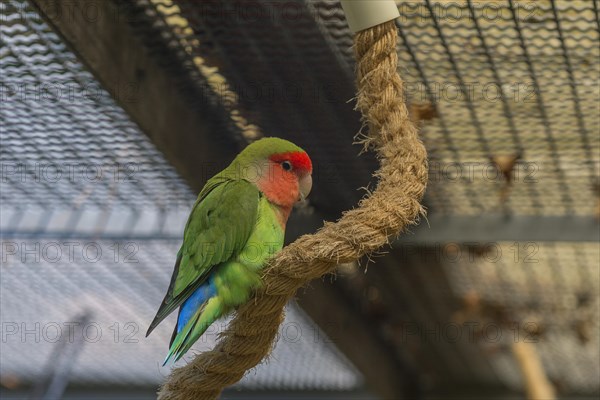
[(305, 185)]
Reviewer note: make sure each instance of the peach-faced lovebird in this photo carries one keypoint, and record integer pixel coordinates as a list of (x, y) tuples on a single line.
[(236, 224)]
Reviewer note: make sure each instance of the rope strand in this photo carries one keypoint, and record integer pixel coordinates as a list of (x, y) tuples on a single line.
[(389, 209)]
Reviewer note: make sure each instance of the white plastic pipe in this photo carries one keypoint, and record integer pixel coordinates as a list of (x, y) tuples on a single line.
[(363, 14)]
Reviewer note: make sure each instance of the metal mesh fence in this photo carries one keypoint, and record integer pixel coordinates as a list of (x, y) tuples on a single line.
[(507, 94), (504, 78), (91, 220), (71, 158), (540, 293), (64, 137)]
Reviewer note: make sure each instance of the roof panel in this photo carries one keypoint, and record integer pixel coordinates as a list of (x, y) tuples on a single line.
[(119, 285)]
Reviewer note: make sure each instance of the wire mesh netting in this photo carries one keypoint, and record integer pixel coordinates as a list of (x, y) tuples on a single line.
[(507, 94), (492, 83), (64, 126), (68, 150), (280, 83), (91, 219), (504, 78), (541, 293)]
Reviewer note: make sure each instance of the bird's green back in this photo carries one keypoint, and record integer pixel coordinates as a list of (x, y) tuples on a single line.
[(217, 230)]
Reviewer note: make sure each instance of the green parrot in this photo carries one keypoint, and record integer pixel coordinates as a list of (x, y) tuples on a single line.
[(236, 225)]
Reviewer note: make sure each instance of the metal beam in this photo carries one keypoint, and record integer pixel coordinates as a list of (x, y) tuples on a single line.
[(60, 364), (498, 228)]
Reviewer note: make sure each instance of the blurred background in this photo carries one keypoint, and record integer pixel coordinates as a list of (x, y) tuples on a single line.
[(114, 113)]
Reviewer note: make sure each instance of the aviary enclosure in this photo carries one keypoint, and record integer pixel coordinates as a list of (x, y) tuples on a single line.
[(476, 120)]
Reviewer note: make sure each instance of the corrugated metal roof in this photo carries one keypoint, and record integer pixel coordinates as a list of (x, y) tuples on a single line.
[(40, 299), (64, 140)]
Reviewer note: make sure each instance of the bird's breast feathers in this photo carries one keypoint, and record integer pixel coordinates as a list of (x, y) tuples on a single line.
[(266, 237)]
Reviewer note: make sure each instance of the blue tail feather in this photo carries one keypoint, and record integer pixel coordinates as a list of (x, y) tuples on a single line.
[(194, 302), (188, 309)]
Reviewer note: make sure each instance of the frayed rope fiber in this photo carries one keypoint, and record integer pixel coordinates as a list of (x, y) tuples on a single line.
[(379, 217)]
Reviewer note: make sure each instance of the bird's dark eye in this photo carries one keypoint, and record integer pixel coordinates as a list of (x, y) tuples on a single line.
[(286, 165)]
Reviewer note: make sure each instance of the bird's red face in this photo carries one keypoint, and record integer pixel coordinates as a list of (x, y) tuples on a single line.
[(288, 179)]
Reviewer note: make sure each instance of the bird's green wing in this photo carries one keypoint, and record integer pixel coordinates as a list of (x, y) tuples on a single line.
[(217, 229)]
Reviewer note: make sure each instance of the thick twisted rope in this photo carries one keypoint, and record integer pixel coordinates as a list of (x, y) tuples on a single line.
[(379, 217)]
